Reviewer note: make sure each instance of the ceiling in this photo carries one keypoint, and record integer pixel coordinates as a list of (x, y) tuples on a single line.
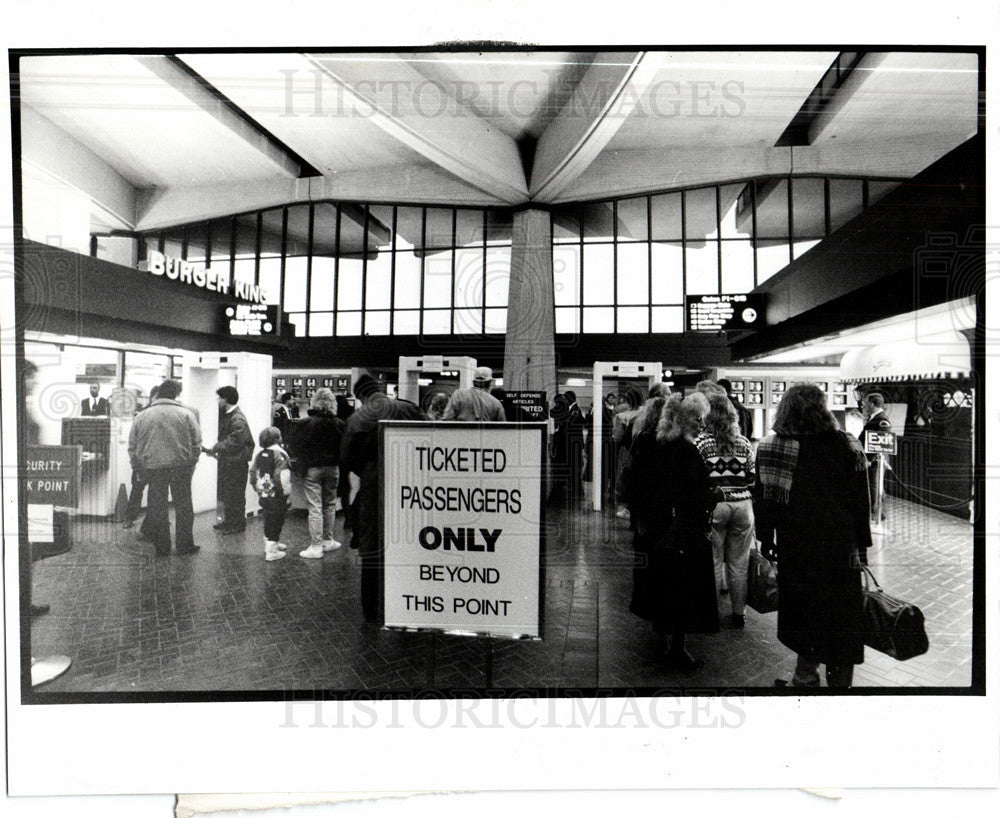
[(199, 135)]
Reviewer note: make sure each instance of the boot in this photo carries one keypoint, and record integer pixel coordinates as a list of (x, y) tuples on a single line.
[(272, 552)]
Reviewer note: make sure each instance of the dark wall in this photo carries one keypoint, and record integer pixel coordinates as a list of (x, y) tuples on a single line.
[(923, 244), (71, 294)]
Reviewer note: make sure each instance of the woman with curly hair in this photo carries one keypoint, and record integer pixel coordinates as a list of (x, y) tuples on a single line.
[(812, 511), (318, 438), (670, 515), (730, 463)]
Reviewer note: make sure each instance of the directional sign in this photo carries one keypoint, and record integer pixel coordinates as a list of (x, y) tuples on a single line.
[(719, 313), (880, 442)]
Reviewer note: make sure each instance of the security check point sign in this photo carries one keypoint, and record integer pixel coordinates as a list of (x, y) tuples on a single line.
[(462, 526)]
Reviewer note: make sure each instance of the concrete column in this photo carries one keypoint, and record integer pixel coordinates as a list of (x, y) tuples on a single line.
[(529, 353)]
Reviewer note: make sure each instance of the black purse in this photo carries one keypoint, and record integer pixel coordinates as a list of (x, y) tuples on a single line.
[(892, 626), (762, 583)]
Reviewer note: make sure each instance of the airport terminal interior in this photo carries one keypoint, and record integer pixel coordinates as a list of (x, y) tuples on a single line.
[(584, 225)]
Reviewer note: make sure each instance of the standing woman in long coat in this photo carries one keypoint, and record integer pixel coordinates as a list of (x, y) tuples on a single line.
[(682, 558), (812, 513)]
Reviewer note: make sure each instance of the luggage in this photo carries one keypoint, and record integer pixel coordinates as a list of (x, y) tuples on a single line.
[(762, 583), (892, 626)]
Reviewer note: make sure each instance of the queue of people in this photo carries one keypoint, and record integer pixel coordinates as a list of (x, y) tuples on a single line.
[(699, 497)]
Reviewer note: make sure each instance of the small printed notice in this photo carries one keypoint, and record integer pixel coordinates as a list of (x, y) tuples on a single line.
[(462, 514), (41, 527)]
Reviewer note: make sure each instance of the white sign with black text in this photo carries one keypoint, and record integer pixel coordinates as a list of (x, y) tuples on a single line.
[(462, 524)]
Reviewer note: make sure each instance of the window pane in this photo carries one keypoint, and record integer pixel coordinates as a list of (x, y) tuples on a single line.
[(270, 279), (437, 322), (497, 276), (737, 267), (196, 238), (320, 324), (668, 319), (772, 209), (469, 227), (633, 319), (349, 287), (700, 217), (668, 273), (568, 320), (378, 281), (666, 216), (437, 279), (495, 320), (409, 222), (632, 223), (321, 285), (469, 277), (566, 224), (377, 323), (324, 233), (737, 212), (468, 322), (244, 271), (772, 256), (439, 227), (406, 322), (598, 274), (172, 246), (566, 275), (297, 239), (845, 201), (221, 235), (407, 288), (633, 273), (348, 323), (800, 248), (295, 284), (702, 268), (598, 222), (499, 226), (808, 209), (598, 319), (298, 321)]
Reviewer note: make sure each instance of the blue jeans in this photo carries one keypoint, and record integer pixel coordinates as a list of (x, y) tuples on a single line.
[(732, 538), (320, 488)]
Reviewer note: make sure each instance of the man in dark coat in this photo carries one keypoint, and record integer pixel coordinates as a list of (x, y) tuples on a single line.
[(359, 452), (575, 426), (876, 420), (233, 451), (94, 406)]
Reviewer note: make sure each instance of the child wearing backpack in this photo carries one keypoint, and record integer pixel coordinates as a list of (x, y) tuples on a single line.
[(271, 478)]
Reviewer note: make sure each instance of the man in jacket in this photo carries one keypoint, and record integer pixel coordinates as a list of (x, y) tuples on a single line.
[(475, 404), (876, 420), (94, 406), (575, 445), (233, 451), (359, 452), (164, 446)]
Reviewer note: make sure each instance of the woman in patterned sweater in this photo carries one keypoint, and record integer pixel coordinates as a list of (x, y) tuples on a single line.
[(730, 463)]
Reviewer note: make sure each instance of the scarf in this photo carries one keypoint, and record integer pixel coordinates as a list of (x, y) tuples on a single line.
[(776, 459)]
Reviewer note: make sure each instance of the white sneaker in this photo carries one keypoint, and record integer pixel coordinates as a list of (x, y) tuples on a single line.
[(272, 552), (313, 552), (330, 545), (281, 546)]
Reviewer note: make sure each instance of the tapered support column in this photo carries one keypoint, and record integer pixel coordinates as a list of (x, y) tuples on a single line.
[(529, 353)]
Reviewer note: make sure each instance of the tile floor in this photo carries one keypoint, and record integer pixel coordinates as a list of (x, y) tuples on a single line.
[(225, 620)]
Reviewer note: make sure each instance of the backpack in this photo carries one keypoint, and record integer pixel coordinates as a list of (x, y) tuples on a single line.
[(267, 486)]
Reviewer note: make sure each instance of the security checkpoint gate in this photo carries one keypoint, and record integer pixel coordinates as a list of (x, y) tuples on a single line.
[(653, 372), (411, 368)]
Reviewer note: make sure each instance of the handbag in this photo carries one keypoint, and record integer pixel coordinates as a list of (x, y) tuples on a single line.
[(762, 583), (892, 626)]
